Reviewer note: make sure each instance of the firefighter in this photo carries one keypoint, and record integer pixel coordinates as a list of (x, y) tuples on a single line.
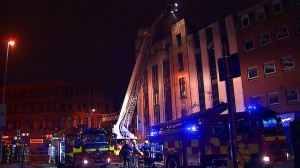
[(146, 149), (7, 153), (126, 153), (51, 153), (135, 153)]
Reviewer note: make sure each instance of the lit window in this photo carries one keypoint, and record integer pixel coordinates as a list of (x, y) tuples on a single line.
[(252, 73), (292, 95), (273, 98), (155, 97), (277, 7), (182, 88), (245, 20), (287, 63), (264, 39), (248, 45), (260, 13), (269, 68), (282, 32)]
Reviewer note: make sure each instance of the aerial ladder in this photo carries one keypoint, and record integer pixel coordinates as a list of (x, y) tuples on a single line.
[(121, 128)]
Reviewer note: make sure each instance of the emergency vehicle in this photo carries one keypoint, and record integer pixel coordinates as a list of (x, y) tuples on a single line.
[(202, 139), (82, 147)]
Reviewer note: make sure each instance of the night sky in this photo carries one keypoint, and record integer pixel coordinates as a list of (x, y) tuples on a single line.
[(86, 40)]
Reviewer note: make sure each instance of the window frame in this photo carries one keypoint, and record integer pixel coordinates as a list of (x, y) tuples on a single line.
[(296, 91), (279, 37), (254, 77), (292, 62), (256, 100), (270, 96), (182, 88), (179, 39), (274, 4), (260, 12), (274, 67), (261, 37), (247, 41), (245, 17)]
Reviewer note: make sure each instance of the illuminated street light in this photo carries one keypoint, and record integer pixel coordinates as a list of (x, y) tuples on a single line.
[(3, 105), (9, 43)]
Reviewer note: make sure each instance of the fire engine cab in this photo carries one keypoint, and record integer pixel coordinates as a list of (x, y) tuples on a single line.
[(82, 147), (202, 139)]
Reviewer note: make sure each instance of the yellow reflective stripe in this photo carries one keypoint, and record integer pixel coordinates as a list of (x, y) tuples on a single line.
[(90, 150), (70, 154), (76, 150), (103, 149)]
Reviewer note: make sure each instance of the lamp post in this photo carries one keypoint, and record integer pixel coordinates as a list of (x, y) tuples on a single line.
[(3, 105)]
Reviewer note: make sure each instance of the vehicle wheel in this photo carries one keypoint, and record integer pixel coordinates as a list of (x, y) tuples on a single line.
[(172, 163)]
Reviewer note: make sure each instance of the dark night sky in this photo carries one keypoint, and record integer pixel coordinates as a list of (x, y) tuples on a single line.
[(85, 40)]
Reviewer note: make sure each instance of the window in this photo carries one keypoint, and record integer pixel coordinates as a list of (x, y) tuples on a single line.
[(252, 73), (260, 13), (282, 32), (154, 72), (180, 62), (155, 97), (273, 98), (248, 45), (166, 69), (298, 26), (264, 39), (277, 7), (182, 88), (179, 41), (269, 68), (296, 2), (255, 100), (292, 95), (245, 20), (287, 63)]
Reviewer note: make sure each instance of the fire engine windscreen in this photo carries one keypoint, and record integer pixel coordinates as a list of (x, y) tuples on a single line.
[(94, 138)]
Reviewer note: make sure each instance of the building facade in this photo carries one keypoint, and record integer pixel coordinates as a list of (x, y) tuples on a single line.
[(182, 75), (42, 109)]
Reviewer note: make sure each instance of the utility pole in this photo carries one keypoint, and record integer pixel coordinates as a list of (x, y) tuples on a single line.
[(231, 104)]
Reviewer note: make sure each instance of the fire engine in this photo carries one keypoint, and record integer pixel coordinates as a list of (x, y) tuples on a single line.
[(202, 139), (82, 147)]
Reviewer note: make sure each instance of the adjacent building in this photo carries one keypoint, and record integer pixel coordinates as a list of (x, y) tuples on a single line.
[(42, 109)]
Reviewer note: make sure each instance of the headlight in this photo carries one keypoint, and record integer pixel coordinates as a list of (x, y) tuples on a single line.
[(85, 161), (266, 159), (108, 160)]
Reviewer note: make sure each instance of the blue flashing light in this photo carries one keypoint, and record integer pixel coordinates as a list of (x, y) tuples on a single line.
[(251, 107), (191, 128), (153, 133)]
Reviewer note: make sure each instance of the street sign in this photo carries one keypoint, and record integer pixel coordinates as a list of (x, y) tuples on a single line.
[(2, 115)]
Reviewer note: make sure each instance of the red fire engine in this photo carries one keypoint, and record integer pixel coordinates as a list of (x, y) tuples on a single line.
[(202, 139)]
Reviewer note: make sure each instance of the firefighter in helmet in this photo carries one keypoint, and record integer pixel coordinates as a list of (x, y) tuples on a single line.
[(125, 152), (135, 153), (146, 149)]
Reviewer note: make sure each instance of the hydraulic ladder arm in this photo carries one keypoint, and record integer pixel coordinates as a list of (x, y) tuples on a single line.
[(129, 103)]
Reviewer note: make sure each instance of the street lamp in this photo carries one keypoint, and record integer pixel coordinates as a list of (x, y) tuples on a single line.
[(3, 106), (9, 43)]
